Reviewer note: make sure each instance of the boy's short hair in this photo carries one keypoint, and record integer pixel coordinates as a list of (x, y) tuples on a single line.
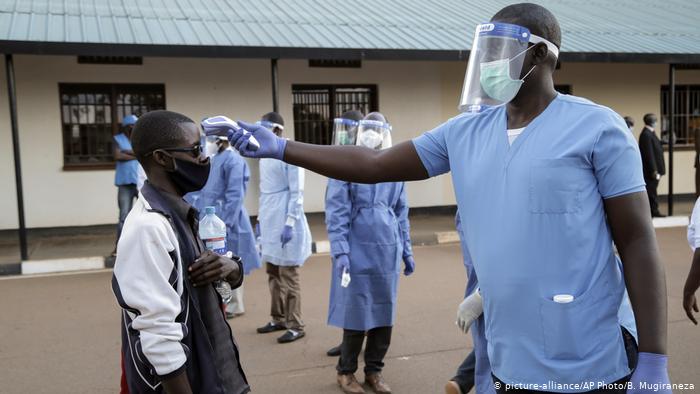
[(157, 130)]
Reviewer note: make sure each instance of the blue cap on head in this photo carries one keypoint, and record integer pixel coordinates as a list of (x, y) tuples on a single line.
[(129, 120), (209, 210)]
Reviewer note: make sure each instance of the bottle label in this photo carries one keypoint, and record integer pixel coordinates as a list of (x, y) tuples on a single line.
[(217, 245)]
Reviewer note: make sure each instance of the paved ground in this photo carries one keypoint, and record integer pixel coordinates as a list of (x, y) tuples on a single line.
[(60, 334), (61, 243)]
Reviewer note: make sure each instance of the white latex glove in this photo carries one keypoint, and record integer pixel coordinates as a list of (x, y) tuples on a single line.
[(469, 310)]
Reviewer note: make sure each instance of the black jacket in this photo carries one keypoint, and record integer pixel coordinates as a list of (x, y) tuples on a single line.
[(652, 154), (169, 326)]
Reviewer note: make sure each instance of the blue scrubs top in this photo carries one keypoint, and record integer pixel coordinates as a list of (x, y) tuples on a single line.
[(127, 172), (533, 217)]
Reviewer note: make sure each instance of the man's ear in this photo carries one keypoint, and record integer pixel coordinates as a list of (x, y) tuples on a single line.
[(160, 158), (539, 53)]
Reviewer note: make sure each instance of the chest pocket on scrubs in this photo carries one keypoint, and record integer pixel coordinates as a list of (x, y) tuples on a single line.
[(556, 185)]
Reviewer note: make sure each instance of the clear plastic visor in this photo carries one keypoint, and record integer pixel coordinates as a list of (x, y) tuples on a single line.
[(374, 134), (344, 131), (498, 47)]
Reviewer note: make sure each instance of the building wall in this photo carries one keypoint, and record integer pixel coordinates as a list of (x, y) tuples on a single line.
[(634, 90), (54, 197), (415, 96), (410, 97), (195, 87)]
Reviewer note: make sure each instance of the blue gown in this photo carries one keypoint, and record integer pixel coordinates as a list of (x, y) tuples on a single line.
[(225, 190), (370, 224), (282, 202), (482, 372)]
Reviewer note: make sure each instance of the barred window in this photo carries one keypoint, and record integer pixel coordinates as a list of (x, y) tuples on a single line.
[(686, 114), (91, 115), (315, 107)]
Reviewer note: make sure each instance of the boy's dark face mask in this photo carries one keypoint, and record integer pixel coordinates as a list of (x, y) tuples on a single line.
[(189, 176)]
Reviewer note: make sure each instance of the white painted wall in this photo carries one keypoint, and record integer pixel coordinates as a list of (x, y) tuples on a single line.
[(410, 95), (634, 90), (415, 96), (195, 87)]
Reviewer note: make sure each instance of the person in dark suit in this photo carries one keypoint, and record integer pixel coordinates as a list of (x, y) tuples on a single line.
[(629, 122), (652, 161)]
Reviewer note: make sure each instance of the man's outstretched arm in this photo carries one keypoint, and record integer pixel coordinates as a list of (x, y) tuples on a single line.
[(645, 277), (346, 163), (358, 164)]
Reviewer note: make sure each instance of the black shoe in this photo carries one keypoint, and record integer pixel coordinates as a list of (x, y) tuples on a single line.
[(271, 327), (291, 336), (333, 352), (658, 215)]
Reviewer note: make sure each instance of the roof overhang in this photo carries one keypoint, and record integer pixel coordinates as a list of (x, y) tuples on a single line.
[(105, 49)]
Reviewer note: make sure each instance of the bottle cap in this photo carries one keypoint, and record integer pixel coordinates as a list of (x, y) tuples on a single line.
[(209, 210), (563, 298)]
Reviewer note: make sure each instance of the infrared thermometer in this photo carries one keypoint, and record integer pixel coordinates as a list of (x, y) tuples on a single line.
[(225, 127)]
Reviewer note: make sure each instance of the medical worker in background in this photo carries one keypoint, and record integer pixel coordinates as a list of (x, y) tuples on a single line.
[(344, 133), (128, 174), (285, 238), (368, 230), (225, 190)]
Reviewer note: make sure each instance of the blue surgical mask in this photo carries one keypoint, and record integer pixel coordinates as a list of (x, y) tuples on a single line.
[(496, 81)]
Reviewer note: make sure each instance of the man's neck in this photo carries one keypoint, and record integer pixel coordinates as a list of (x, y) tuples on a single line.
[(649, 127), (523, 110), (164, 184)]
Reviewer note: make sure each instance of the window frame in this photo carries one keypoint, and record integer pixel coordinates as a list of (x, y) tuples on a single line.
[(113, 90), (373, 99), (688, 134)]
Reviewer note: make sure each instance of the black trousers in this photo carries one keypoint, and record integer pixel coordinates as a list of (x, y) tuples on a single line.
[(465, 373), (652, 185), (619, 387), (378, 340)]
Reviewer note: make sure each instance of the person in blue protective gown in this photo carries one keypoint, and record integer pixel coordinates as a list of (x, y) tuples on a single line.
[(225, 190), (344, 133), (368, 230), (285, 238), (475, 370)]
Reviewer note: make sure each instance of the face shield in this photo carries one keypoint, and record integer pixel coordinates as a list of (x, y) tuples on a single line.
[(344, 131), (374, 134), (211, 147), (272, 126), (496, 65)]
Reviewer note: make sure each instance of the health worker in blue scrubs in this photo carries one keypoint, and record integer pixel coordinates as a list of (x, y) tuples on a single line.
[(544, 183)]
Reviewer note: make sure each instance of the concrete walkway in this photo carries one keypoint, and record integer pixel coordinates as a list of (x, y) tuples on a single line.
[(86, 248)]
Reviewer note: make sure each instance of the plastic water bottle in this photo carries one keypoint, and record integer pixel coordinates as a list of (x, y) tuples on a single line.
[(212, 231)]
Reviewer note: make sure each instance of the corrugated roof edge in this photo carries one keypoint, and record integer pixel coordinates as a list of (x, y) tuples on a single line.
[(100, 49)]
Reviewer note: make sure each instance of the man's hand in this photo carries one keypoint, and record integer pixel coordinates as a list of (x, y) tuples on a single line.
[(690, 304), (287, 234), (409, 265), (210, 267), (692, 283), (271, 146), (652, 370), (342, 263), (469, 310)]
